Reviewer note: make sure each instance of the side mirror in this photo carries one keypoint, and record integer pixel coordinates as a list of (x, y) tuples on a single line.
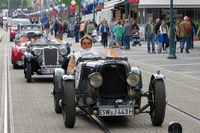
[(174, 127)]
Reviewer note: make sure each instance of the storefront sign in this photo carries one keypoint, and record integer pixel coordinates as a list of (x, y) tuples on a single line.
[(99, 4), (133, 1)]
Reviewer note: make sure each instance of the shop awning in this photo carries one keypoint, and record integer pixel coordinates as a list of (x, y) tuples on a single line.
[(111, 4), (166, 4)]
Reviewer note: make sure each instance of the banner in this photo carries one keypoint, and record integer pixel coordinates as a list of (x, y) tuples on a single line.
[(133, 1), (99, 4), (84, 5), (72, 8)]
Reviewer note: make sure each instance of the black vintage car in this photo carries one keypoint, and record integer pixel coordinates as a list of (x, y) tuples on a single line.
[(43, 57), (107, 86)]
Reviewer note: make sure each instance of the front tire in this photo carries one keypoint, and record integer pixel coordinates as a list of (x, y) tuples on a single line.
[(68, 104), (15, 66), (57, 97), (158, 98), (28, 72)]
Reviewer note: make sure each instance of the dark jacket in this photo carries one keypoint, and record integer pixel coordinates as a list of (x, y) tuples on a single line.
[(56, 26), (102, 29), (76, 28), (157, 27)]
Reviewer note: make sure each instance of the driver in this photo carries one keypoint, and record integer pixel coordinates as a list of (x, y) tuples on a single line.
[(23, 37), (59, 38), (86, 47), (38, 36)]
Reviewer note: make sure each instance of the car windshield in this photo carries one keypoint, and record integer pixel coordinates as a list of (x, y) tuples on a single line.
[(31, 27), (89, 53), (16, 22), (116, 52)]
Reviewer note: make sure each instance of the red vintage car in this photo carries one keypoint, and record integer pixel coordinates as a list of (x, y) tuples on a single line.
[(18, 51)]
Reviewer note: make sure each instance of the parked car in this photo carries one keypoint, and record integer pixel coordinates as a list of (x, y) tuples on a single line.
[(107, 86), (17, 55), (43, 57), (14, 28)]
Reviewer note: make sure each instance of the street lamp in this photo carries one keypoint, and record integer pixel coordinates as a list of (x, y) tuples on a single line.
[(47, 14), (62, 6), (50, 9), (171, 54), (56, 7), (73, 2)]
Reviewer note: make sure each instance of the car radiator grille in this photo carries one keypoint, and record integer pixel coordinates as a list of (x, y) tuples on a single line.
[(114, 82), (50, 56)]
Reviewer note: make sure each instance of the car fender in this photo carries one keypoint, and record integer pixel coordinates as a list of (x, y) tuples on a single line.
[(157, 75), (57, 77), (28, 57)]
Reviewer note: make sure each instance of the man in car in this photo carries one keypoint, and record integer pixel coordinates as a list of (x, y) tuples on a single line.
[(86, 47), (59, 39), (38, 36)]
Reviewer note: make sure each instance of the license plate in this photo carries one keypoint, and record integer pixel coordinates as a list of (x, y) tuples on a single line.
[(19, 63), (116, 112), (49, 71)]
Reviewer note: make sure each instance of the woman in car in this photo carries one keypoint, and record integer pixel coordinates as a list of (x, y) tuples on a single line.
[(59, 38), (86, 47)]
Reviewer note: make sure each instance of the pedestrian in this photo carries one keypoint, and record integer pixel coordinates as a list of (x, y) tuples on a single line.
[(157, 27), (90, 29), (104, 32), (76, 31), (185, 34), (159, 40), (47, 26), (164, 31), (65, 27), (71, 29), (82, 26), (51, 27), (149, 32), (119, 31), (175, 29), (126, 38), (6, 26), (56, 27), (193, 33), (111, 27)]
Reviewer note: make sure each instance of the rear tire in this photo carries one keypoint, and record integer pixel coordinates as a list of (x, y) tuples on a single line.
[(68, 104), (15, 66), (158, 105), (28, 72)]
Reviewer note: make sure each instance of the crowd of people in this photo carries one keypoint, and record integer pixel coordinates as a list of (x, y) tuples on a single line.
[(119, 31), (183, 31), (122, 31)]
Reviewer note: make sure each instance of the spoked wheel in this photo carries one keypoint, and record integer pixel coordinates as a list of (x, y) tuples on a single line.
[(158, 105), (28, 72), (68, 103)]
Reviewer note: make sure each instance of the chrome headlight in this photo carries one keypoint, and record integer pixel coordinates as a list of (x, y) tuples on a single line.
[(23, 50), (133, 79), (95, 80), (37, 51), (63, 51)]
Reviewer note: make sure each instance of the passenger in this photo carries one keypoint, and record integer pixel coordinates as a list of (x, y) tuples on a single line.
[(38, 36), (59, 39), (86, 47), (23, 37)]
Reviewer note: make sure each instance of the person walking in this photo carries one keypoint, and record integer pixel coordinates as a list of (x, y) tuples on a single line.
[(76, 31), (71, 29), (90, 29), (164, 31), (51, 27), (185, 34), (111, 27), (159, 40), (126, 38), (56, 27), (104, 31), (82, 26), (47, 26), (149, 32), (158, 24), (119, 31)]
